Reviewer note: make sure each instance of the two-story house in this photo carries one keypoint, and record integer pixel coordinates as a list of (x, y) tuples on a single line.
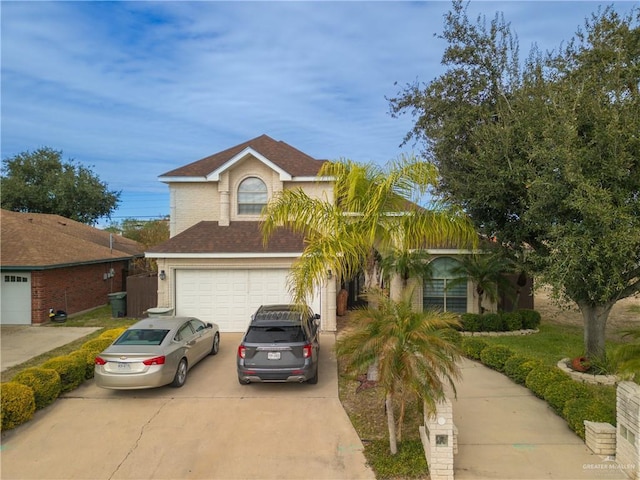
[(215, 265)]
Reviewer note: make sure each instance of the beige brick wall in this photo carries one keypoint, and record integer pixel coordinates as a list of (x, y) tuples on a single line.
[(192, 203), (628, 429)]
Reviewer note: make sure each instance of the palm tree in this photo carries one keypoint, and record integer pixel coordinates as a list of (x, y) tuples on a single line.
[(486, 271), (412, 349), (373, 211)]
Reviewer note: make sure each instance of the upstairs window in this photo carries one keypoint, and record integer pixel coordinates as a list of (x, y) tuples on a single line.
[(252, 196)]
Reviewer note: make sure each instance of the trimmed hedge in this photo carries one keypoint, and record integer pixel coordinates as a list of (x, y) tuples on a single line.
[(530, 319), (473, 346), (91, 350), (542, 376), (113, 333), (512, 321), (558, 394), (471, 322), (452, 336), (500, 322), (88, 360), (493, 322), (44, 382), (37, 387), (99, 344), (495, 356), (18, 404), (598, 407), (71, 369), (518, 367)]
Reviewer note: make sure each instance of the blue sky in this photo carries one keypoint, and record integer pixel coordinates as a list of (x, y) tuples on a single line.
[(135, 89)]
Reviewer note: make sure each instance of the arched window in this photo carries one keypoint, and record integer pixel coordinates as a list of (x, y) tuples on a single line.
[(252, 196), (440, 292)]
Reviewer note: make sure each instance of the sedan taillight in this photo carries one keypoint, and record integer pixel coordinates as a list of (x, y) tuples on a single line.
[(306, 351), (154, 361), (241, 351), (100, 361)]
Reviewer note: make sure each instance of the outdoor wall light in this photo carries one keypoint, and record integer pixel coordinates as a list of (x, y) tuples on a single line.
[(163, 276), (329, 274)]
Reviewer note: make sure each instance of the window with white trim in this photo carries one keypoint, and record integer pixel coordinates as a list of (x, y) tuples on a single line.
[(440, 292), (252, 196)]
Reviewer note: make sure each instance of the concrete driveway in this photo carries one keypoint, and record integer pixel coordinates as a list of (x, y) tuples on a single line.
[(212, 428)]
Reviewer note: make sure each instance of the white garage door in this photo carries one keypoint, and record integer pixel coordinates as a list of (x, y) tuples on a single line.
[(229, 297), (16, 298)]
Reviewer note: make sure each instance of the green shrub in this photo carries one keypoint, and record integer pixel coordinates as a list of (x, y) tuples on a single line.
[(471, 322), (409, 462), (512, 321), (558, 394), (593, 408), (492, 322), (112, 333), (452, 335), (542, 376), (88, 359), (530, 319), (17, 404), (92, 349), (71, 369), (44, 382), (513, 368), (495, 356), (473, 346), (99, 344)]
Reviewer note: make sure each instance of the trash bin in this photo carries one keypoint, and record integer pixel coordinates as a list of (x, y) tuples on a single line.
[(160, 312), (118, 301)]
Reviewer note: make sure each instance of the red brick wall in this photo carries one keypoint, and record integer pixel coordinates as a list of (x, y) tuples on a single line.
[(74, 289)]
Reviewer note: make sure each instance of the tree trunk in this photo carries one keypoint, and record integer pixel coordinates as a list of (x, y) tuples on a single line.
[(595, 321), (391, 423), (397, 287)]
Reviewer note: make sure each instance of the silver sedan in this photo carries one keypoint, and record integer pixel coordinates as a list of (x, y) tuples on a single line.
[(156, 351)]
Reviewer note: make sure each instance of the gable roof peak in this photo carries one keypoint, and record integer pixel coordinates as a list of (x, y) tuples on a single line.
[(282, 157)]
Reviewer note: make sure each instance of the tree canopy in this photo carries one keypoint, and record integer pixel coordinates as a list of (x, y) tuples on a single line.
[(544, 155), (41, 182)]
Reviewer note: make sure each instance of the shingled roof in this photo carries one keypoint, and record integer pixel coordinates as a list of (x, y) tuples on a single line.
[(237, 238), (288, 158), (38, 241)]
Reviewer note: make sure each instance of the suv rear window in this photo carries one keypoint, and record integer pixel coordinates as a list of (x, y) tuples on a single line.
[(274, 334)]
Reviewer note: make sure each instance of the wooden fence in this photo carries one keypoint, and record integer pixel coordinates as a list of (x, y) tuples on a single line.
[(142, 294)]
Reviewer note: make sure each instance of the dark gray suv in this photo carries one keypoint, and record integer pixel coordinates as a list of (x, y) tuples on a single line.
[(280, 345)]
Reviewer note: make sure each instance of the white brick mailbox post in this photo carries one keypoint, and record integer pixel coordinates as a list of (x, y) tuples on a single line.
[(440, 440)]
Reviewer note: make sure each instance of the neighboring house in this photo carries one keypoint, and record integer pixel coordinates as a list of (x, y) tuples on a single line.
[(52, 262), (215, 265)]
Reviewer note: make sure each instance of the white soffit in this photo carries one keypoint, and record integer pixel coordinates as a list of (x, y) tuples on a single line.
[(215, 175)]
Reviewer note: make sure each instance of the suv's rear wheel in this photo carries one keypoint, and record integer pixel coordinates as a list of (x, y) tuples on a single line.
[(242, 382), (313, 380)]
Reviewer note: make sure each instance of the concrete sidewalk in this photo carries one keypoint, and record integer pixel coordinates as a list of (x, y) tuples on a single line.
[(505, 432), (20, 343)]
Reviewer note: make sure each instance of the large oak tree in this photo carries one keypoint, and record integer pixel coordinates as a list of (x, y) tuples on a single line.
[(544, 155), (41, 182)]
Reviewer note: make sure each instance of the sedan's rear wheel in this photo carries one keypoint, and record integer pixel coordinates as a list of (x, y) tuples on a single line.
[(181, 374), (216, 344)]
